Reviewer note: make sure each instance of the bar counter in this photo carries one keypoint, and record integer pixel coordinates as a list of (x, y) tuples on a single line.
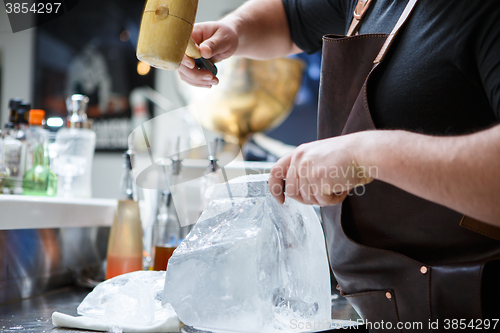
[(33, 315)]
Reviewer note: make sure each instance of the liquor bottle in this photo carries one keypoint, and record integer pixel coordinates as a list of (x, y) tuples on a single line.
[(75, 146), (32, 136), (4, 171), (166, 232), (178, 195), (210, 178), (125, 239), (15, 146), (22, 120), (128, 188), (211, 175), (22, 127), (39, 179)]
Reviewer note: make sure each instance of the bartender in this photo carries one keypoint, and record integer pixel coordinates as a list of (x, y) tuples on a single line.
[(406, 166)]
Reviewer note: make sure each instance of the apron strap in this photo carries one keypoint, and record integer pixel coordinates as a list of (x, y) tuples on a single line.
[(482, 228), (402, 19), (358, 15)]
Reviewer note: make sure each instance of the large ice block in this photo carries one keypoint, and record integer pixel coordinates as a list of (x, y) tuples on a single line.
[(252, 268)]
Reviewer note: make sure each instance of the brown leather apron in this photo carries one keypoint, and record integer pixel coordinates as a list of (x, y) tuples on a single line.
[(396, 257)]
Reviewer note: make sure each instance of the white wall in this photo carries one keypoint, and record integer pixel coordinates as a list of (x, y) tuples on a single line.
[(106, 175), (16, 50)]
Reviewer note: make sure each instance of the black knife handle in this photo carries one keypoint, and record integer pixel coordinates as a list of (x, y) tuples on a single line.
[(206, 64)]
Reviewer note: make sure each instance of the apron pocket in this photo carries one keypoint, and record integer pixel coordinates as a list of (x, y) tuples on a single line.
[(376, 304), (456, 292)]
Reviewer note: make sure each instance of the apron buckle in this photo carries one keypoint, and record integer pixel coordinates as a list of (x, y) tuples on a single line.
[(361, 9)]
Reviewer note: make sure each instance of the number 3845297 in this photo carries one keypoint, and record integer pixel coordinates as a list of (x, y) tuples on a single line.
[(35, 8)]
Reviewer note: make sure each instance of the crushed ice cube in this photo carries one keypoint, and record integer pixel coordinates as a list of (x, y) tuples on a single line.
[(252, 268), (128, 299)]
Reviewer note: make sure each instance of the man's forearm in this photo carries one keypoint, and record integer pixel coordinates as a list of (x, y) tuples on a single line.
[(262, 28), (461, 172)]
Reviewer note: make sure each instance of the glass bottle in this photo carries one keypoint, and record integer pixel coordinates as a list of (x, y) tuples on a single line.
[(22, 127), (75, 146), (178, 195), (128, 188), (166, 232), (14, 149), (22, 120), (125, 239), (209, 179), (32, 136), (171, 224), (211, 175), (4, 171), (39, 179)]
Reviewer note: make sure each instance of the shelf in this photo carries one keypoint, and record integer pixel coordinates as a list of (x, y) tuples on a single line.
[(31, 212)]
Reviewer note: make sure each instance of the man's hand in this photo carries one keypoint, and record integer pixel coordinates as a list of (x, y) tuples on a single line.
[(258, 29), (217, 42), (459, 172), (321, 172)]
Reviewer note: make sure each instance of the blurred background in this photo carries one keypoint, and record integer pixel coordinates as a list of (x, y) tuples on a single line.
[(91, 50)]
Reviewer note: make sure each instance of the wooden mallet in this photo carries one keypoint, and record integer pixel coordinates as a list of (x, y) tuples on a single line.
[(165, 35)]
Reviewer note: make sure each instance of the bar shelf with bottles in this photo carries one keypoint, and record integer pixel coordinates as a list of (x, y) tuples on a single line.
[(32, 162)]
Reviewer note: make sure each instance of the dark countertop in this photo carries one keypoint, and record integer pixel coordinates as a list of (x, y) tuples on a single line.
[(34, 315)]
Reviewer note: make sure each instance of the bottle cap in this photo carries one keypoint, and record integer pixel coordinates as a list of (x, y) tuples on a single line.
[(77, 103), (23, 112), (14, 103), (36, 117), (77, 107)]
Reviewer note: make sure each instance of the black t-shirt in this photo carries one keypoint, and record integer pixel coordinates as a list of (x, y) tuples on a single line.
[(441, 75)]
